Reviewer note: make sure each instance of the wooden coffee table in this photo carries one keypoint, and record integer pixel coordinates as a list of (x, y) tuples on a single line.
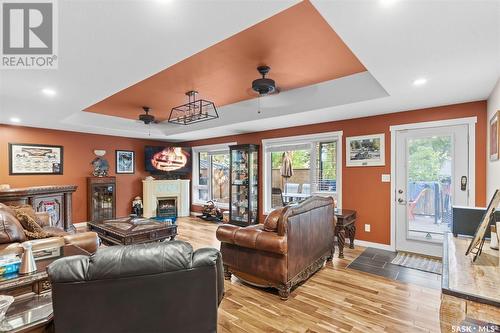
[(128, 230)]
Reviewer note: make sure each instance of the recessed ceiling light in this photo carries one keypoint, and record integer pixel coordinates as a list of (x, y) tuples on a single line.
[(15, 120), (387, 3), (49, 92), (420, 82)]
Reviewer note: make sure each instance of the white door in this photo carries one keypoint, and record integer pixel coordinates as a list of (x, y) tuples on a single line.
[(432, 174)]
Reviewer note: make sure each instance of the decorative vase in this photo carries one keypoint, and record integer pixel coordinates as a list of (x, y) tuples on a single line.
[(28, 264)]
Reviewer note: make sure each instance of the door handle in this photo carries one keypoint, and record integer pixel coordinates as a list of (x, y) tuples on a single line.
[(402, 201), (463, 183)]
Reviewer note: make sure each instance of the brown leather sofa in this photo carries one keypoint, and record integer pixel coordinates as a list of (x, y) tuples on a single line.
[(155, 287), (292, 244), (12, 234)]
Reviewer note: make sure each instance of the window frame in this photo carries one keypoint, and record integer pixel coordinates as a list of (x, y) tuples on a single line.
[(195, 175), (309, 138)]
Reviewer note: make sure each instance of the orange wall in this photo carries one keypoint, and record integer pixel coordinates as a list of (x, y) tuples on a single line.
[(78, 153), (362, 188)]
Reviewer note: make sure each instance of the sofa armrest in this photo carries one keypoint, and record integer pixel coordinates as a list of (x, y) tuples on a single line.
[(89, 241), (11, 248), (253, 237), (211, 257), (43, 219)]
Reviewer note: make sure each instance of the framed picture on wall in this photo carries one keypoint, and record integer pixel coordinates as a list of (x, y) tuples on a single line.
[(35, 159), (125, 161), (365, 150), (494, 137)]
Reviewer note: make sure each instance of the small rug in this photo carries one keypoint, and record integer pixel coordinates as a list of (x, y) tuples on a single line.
[(415, 261)]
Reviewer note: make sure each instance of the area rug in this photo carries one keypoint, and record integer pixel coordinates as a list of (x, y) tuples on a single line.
[(415, 261)]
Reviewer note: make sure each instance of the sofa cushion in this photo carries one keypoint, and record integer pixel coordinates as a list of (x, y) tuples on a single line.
[(10, 228), (25, 209), (271, 222)]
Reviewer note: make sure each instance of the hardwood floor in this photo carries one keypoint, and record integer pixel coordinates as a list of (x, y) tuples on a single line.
[(335, 299)]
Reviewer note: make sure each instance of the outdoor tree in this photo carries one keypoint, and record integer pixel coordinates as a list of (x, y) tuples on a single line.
[(427, 157)]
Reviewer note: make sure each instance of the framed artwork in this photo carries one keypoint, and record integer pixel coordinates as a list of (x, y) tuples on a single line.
[(35, 159), (125, 161), (494, 137), (365, 150)]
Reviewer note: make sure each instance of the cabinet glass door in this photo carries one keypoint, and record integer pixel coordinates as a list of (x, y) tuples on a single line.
[(239, 186)]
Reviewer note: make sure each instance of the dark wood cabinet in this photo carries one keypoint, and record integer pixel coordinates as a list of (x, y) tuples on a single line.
[(101, 198), (243, 190), (53, 199)]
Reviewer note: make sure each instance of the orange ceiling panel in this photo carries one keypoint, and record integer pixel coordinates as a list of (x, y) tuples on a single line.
[(298, 44)]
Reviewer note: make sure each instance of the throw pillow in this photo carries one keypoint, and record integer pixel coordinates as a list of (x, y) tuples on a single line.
[(32, 229)]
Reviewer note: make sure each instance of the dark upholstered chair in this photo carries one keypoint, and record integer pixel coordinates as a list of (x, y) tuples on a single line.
[(292, 244), (156, 287)]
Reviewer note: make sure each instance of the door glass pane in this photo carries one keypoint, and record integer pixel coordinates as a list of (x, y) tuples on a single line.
[(429, 188), (220, 178)]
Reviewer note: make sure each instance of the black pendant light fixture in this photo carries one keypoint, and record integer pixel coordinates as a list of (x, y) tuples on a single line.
[(194, 111)]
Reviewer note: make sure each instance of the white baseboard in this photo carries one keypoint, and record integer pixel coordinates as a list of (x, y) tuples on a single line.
[(373, 245)]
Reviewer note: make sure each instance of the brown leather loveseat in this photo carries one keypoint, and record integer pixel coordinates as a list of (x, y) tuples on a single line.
[(292, 244), (12, 234)]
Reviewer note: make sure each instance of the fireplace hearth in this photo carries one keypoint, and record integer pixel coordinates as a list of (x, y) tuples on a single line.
[(166, 207)]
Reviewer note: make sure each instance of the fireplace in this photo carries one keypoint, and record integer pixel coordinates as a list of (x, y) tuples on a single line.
[(152, 190), (166, 207)]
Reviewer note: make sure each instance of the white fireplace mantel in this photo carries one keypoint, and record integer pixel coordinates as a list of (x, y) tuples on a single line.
[(153, 189)]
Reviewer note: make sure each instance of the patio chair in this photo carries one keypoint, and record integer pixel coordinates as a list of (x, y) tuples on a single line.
[(277, 198), (306, 189), (413, 203)]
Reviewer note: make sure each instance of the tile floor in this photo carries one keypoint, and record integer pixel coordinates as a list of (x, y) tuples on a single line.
[(378, 262)]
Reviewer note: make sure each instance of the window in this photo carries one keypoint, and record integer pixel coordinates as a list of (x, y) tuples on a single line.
[(297, 167), (211, 174)]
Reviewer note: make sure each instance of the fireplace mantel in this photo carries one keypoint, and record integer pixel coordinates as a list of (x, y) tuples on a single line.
[(153, 189)]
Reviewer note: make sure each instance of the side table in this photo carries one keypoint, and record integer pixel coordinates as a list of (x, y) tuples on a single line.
[(345, 227)]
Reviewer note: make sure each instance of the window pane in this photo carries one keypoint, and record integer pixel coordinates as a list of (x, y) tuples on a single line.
[(290, 179), (203, 168), (220, 178), (327, 166), (203, 194)]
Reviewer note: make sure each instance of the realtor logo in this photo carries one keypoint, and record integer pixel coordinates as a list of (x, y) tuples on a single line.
[(29, 34)]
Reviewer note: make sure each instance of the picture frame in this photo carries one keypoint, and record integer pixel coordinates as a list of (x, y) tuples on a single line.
[(494, 137), (35, 159), (124, 162), (365, 150)]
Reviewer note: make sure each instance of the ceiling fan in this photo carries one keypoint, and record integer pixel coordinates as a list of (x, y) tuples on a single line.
[(264, 86), (147, 118)]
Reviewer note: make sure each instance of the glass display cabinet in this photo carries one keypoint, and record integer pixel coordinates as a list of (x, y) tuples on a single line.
[(101, 192), (244, 189)]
